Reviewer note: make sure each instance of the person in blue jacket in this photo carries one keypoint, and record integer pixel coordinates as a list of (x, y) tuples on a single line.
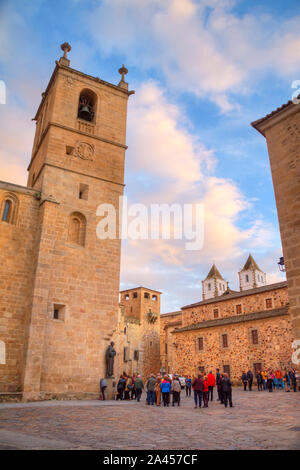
[(165, 390)]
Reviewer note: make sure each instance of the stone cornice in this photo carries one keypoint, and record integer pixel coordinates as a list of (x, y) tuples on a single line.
[(19, 189), (236, 295), (237, 319)]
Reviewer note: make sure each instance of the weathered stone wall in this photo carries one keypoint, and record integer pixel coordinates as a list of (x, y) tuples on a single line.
[(168, 322), (140, 330), (81, 279), (180, 333), (274, 348), (227, 308), (282, 132), (17, 248)]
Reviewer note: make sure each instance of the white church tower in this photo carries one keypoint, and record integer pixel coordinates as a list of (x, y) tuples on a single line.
[(251, 275), (214, 284)]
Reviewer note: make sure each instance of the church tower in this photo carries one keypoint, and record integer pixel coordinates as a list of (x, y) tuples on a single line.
[(251, 275), (77, 164), (214, 284)]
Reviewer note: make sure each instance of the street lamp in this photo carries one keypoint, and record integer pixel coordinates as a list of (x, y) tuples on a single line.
[(281, 264)]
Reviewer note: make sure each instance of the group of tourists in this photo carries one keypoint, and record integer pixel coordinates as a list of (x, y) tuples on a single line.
[(271, 380), (163, 390)]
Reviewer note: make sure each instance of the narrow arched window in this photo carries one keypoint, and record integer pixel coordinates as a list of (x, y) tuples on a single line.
[(87, 105), (7, 211), (77, 229), (9, 208), (2, 353)]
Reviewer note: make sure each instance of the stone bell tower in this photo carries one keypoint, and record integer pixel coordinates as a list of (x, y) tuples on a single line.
[(77, 163)]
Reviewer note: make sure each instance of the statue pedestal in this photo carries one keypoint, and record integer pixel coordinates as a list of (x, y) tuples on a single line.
[(111, 387)]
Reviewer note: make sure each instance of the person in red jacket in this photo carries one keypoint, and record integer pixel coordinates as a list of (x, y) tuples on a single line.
[(211, 384), (205, 392)]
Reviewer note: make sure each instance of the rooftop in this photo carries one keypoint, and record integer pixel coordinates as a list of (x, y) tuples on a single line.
[(236, 295), (251, 264), (236, 319), (214, 273)]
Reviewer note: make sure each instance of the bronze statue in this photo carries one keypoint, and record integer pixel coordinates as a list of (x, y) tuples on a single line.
[(110, 357)]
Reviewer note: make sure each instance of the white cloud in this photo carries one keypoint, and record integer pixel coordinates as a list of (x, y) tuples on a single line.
[(165, 152), (201, 46)]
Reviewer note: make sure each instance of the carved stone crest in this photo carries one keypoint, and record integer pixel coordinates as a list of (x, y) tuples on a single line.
[(152, 317), (84, 151)]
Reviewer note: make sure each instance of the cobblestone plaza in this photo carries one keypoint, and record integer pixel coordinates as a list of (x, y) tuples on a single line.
[(258, 420)]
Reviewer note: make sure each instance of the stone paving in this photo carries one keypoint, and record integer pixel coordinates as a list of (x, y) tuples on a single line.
[(258, 420)]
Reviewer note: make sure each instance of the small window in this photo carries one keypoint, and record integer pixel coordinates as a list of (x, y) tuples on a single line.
[(125, 330), (9, 207), (216, 312), (223, 286), (146, 295), (166, 348), (136, 355), (226, 369), (126, 296), (7, 211), (151, 343), (268, 303), (83, 192), (200, 344), (238, 309), (126, 354), (2, 353), (247, 278), (134, 295), (201, 369), (59, 312), (154, 298), (69, 150), (254, 335), (224, 341)]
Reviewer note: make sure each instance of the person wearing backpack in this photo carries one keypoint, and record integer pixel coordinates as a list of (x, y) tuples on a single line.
[(139, 386), (121, 387), (151, 389)]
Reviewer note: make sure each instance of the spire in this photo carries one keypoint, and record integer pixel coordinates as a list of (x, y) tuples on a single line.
[(123, 71), (214, 273), (251, 264)]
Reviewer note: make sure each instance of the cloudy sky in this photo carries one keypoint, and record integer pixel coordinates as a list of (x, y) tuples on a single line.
[(202, 71)]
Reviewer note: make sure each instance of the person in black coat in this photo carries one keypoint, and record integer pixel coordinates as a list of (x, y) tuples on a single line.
[(250, 379), (219, 385), (227, 391), (259, 381), (245, 380)]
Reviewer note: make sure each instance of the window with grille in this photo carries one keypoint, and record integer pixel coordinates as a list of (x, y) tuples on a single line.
[(216, 313), (200, 344), (254, 334), (268, 303), (225, 341), (238, 308)]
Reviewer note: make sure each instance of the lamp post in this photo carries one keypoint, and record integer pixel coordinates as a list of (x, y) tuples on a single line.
[(281, 264)]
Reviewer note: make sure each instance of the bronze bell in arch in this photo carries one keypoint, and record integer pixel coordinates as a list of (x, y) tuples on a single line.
[(85, 113)]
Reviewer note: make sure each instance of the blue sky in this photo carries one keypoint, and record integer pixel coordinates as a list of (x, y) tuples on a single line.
[(203, 70)]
